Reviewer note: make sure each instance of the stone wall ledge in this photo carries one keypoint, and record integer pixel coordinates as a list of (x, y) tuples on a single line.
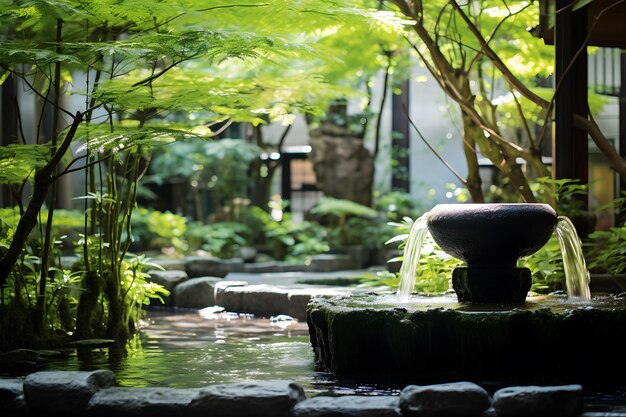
[(262, 300), (66, 393)]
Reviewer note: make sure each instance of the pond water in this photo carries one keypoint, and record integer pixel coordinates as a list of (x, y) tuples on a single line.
[(191, 349)]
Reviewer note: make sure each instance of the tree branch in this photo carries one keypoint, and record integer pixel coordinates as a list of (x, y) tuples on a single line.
[(40, 190), (166, 69), (495, 59), (443, 161), (617, 162)]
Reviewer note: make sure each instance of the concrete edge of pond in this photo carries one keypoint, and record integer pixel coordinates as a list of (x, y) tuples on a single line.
[(78, 393)]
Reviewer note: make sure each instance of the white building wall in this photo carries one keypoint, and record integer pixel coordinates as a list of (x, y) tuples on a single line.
[(439, 121)]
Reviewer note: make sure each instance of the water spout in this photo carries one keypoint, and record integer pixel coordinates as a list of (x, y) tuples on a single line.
[(411, 257), (490, 238), (576, 274)]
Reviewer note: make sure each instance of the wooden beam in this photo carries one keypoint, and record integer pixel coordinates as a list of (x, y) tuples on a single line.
[(570, 153), (400, 140)]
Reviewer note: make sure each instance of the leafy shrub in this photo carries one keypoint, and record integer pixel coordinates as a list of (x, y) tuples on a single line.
[(221, 239), (66, 225), (546, 268), (336, 212), (434, 269), (154, 229), (607, 251), (289, 240), (396, 205)]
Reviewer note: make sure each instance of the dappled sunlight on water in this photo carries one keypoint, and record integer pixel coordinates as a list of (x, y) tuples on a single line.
[(187, 350)]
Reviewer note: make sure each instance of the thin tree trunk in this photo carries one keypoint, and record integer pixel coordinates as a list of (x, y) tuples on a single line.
[(503, 162), (383, 100), (41, 184), (473, 180), (262, 185), (40, 309)]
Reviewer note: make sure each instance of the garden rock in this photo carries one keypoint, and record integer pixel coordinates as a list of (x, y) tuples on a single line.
[(458, 399), (263, 267), (260, 300), (171, 264), (195, 293), (169, 280), (299, 299), (250, 399), (348, 406), (203, 266), (344, 167), (18, 361), (221, 286), (64, 391), (536, 401), (140, 402), (332, 262), (10, 389)]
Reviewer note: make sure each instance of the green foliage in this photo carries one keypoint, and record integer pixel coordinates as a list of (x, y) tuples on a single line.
[(290, 240), (562, 194), (546, 268), (66, 226), (153, 229), (19, 162), (370, 233), (341, 208), (145, 65), (309, 239), (20, 294), (606, 250), (434, 269), (221, 239), (98, 139), (396, 205), (338, 212), (218, 167), (137, 290)]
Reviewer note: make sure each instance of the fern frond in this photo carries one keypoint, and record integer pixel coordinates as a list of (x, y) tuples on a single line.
[(19, 162), (98, 139)]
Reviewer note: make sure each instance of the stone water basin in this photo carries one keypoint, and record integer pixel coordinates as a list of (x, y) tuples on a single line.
[(547, 340)]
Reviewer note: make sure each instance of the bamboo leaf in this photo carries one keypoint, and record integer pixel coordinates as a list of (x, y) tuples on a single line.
[(580, 4)]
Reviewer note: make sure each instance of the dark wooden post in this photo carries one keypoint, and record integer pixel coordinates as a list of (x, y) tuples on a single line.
[(9, 132), (286, 186), (570, 153), (622, 116), (400, 142)]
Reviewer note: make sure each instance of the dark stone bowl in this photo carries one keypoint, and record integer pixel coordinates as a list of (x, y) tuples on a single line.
[(491, 235)]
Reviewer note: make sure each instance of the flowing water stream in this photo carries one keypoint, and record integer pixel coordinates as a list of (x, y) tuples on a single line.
[(576, 274), (411, 257)]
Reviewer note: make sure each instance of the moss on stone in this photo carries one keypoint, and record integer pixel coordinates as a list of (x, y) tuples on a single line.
[(552, 344)]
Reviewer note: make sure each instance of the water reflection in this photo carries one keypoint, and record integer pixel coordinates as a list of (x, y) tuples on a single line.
[(188, 349)]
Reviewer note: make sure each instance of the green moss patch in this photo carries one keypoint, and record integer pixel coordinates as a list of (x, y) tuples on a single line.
[(543, 341)]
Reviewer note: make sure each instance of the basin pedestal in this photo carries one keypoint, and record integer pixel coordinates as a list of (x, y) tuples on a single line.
[(491, 285)]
